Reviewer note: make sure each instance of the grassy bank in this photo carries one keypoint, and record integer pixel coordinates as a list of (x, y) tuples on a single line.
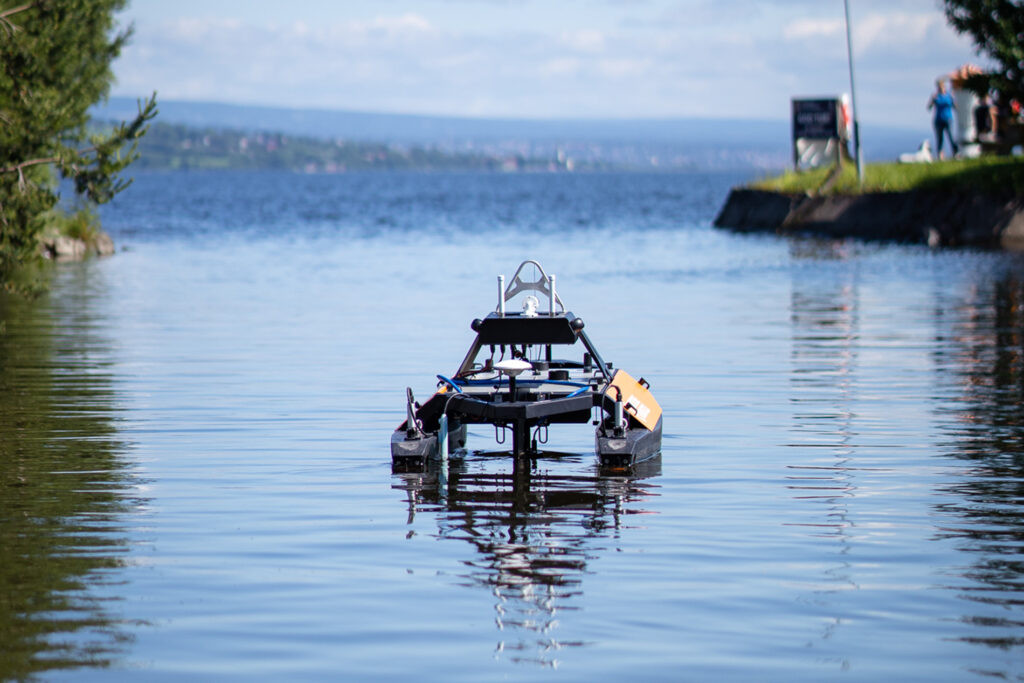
[(994, 176)]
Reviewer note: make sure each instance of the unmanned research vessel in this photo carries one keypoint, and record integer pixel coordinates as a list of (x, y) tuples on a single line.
[(526, 370)]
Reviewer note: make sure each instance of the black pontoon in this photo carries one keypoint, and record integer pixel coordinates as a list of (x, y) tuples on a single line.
[(522, 386)]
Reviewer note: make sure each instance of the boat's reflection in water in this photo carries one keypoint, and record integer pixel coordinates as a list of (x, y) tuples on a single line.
[(533, 529)]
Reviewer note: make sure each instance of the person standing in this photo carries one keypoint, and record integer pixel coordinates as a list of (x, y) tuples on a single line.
[(942, 103), (986, 120)]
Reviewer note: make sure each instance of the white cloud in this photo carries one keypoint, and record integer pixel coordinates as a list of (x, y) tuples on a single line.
[(584, 40), (563, 66), (401, 25), (654, 58), (895, 28), (197, 30), (624, 68), (802, 29)]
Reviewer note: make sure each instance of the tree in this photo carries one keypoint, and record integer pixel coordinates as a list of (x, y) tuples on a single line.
[(997, 29), (55, 58)]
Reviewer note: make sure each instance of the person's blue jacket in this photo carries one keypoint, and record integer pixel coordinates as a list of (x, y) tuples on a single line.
[(943, 107)]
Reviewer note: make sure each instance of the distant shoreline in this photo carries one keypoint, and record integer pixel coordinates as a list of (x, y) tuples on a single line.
[(179, 147), (682, 171)]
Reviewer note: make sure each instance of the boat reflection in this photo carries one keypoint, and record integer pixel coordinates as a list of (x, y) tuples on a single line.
[(533, 531)]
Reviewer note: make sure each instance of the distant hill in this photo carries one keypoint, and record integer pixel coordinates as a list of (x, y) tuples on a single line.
[(175, 146), (666, 143)]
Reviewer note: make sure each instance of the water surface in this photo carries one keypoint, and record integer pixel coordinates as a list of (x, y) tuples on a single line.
[(195, 476)]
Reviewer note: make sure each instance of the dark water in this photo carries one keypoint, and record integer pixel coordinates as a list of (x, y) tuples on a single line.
[(195, 478)]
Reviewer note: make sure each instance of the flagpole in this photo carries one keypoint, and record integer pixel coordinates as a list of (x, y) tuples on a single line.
[(853, 97)]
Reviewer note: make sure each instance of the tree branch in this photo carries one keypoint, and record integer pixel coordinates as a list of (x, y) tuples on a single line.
[(26, 164), (14, 10)]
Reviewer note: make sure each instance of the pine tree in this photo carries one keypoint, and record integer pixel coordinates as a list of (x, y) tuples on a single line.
[(55, 58), (997, 29)]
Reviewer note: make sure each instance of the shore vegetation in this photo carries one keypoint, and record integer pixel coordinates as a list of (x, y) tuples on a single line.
[(993, 176), (995, 27), (81, 223), (55, 63)]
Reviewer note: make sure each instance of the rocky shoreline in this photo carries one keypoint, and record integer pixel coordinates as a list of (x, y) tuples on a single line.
[(59, 247), (928, 217)]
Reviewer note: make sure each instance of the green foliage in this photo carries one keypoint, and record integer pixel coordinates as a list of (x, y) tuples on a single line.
[(993, 176), (20, 205), (997, 29), (82, 223), (55, 58)]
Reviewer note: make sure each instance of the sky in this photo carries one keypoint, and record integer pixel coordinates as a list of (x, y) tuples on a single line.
[(538, 59)]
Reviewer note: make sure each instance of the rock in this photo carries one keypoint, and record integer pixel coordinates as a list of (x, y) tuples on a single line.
[(103, 245), (927, 217), (63, 248), (755, 210), (1012, 234)]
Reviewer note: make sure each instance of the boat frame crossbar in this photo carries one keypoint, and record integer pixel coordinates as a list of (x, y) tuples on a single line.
[(518, 416), (467, 363)]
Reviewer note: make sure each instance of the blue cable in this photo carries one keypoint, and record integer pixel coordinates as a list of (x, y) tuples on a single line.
[(450, 383), (523, 382)]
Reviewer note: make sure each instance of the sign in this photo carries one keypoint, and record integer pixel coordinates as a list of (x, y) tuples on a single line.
[(815, 119), (821, 128)]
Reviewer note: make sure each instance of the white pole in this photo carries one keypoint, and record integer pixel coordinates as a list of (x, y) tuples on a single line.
[(551, 285), (501, 295), (442, 439), (853, 97), (442, 447)]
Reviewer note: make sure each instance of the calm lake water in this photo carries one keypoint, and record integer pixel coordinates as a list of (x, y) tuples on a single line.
[(195, 477)]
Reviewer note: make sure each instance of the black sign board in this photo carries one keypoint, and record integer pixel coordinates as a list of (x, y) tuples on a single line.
[(815, 119)]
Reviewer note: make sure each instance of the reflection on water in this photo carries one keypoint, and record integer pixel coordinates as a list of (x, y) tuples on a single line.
[(63, 486), (981, 354), (842, 482), (978, 352), (824, 357), (532, 532)]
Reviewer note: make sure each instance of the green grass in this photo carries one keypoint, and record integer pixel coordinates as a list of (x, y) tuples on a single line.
[(81, 223), (997, 176)]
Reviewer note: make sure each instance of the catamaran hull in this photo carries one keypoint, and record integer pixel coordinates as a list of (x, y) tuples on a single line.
[(635, 446), (414, 451)]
